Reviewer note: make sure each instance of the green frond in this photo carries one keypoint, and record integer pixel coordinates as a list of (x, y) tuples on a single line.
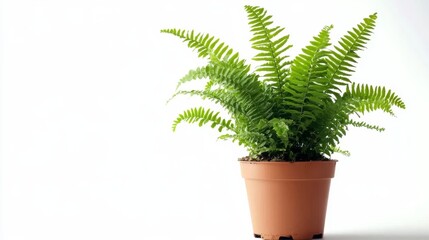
[(330, 127), (247, 87), (365, 125), (308, 82), (209, 85), (281, 128), (203, 73), (367, 98), (358, 98), (270, 45), (203, 116), (343, 58), (228, 99), (239, 92), (338, 150), (206, 45), (226, 137), (256, 142), (193, 74)]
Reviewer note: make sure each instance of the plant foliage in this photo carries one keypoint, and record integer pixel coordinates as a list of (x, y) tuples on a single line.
[(286, 109)]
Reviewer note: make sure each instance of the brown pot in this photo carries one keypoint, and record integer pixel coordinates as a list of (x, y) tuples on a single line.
[(288, 199)]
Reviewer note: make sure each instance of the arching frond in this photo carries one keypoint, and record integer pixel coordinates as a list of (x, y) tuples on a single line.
[(239, 92), (251, 92), (341, 151), (230, 100), (358, 98), (308, 82), (341, 61), (281, 128), (206, 45), (330, 126), (203, 116), (193, 74), (365, 125), (271, 46), (367, 98)]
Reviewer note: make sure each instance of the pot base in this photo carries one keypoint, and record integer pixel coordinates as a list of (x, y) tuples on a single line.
[(293, 237)]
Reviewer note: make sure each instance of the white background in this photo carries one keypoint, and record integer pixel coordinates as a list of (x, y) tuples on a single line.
[(87, 150)]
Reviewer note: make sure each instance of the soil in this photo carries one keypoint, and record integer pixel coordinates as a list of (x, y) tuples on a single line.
[(281, 157)]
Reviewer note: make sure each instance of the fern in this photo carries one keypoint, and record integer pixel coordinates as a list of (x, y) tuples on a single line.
[(365, 125), (358, 98), (193, 74), (341, 61), (338, 150), (207, 46), (203, 116), (230, 100), (270, 47), (248, 89), (284, 110), (366, 98), (308, 81)]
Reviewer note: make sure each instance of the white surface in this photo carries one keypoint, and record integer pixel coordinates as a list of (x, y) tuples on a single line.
[(86, 146)]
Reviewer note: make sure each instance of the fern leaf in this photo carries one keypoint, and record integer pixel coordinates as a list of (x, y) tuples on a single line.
[(256, 142), (193, 74), (281, 129), (367, 98), (239, 92), (308, 81), (365, 125), (339, 150), (341, 61), (206, 45), (358, 98), (203, 116), (228, 99), (250, 91), (270, 47), (330, 126), (202, 73), (226, 136)]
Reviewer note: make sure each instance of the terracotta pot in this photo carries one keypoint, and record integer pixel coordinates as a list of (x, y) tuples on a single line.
[(288, 199)]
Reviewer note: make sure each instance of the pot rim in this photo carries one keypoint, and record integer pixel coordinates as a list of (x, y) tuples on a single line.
[(287, 162), (288, 170)]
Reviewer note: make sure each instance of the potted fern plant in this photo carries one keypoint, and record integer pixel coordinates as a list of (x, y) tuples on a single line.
[(289, 113)]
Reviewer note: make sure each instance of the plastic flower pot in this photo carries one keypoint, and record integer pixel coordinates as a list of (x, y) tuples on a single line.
[(288, 199)]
